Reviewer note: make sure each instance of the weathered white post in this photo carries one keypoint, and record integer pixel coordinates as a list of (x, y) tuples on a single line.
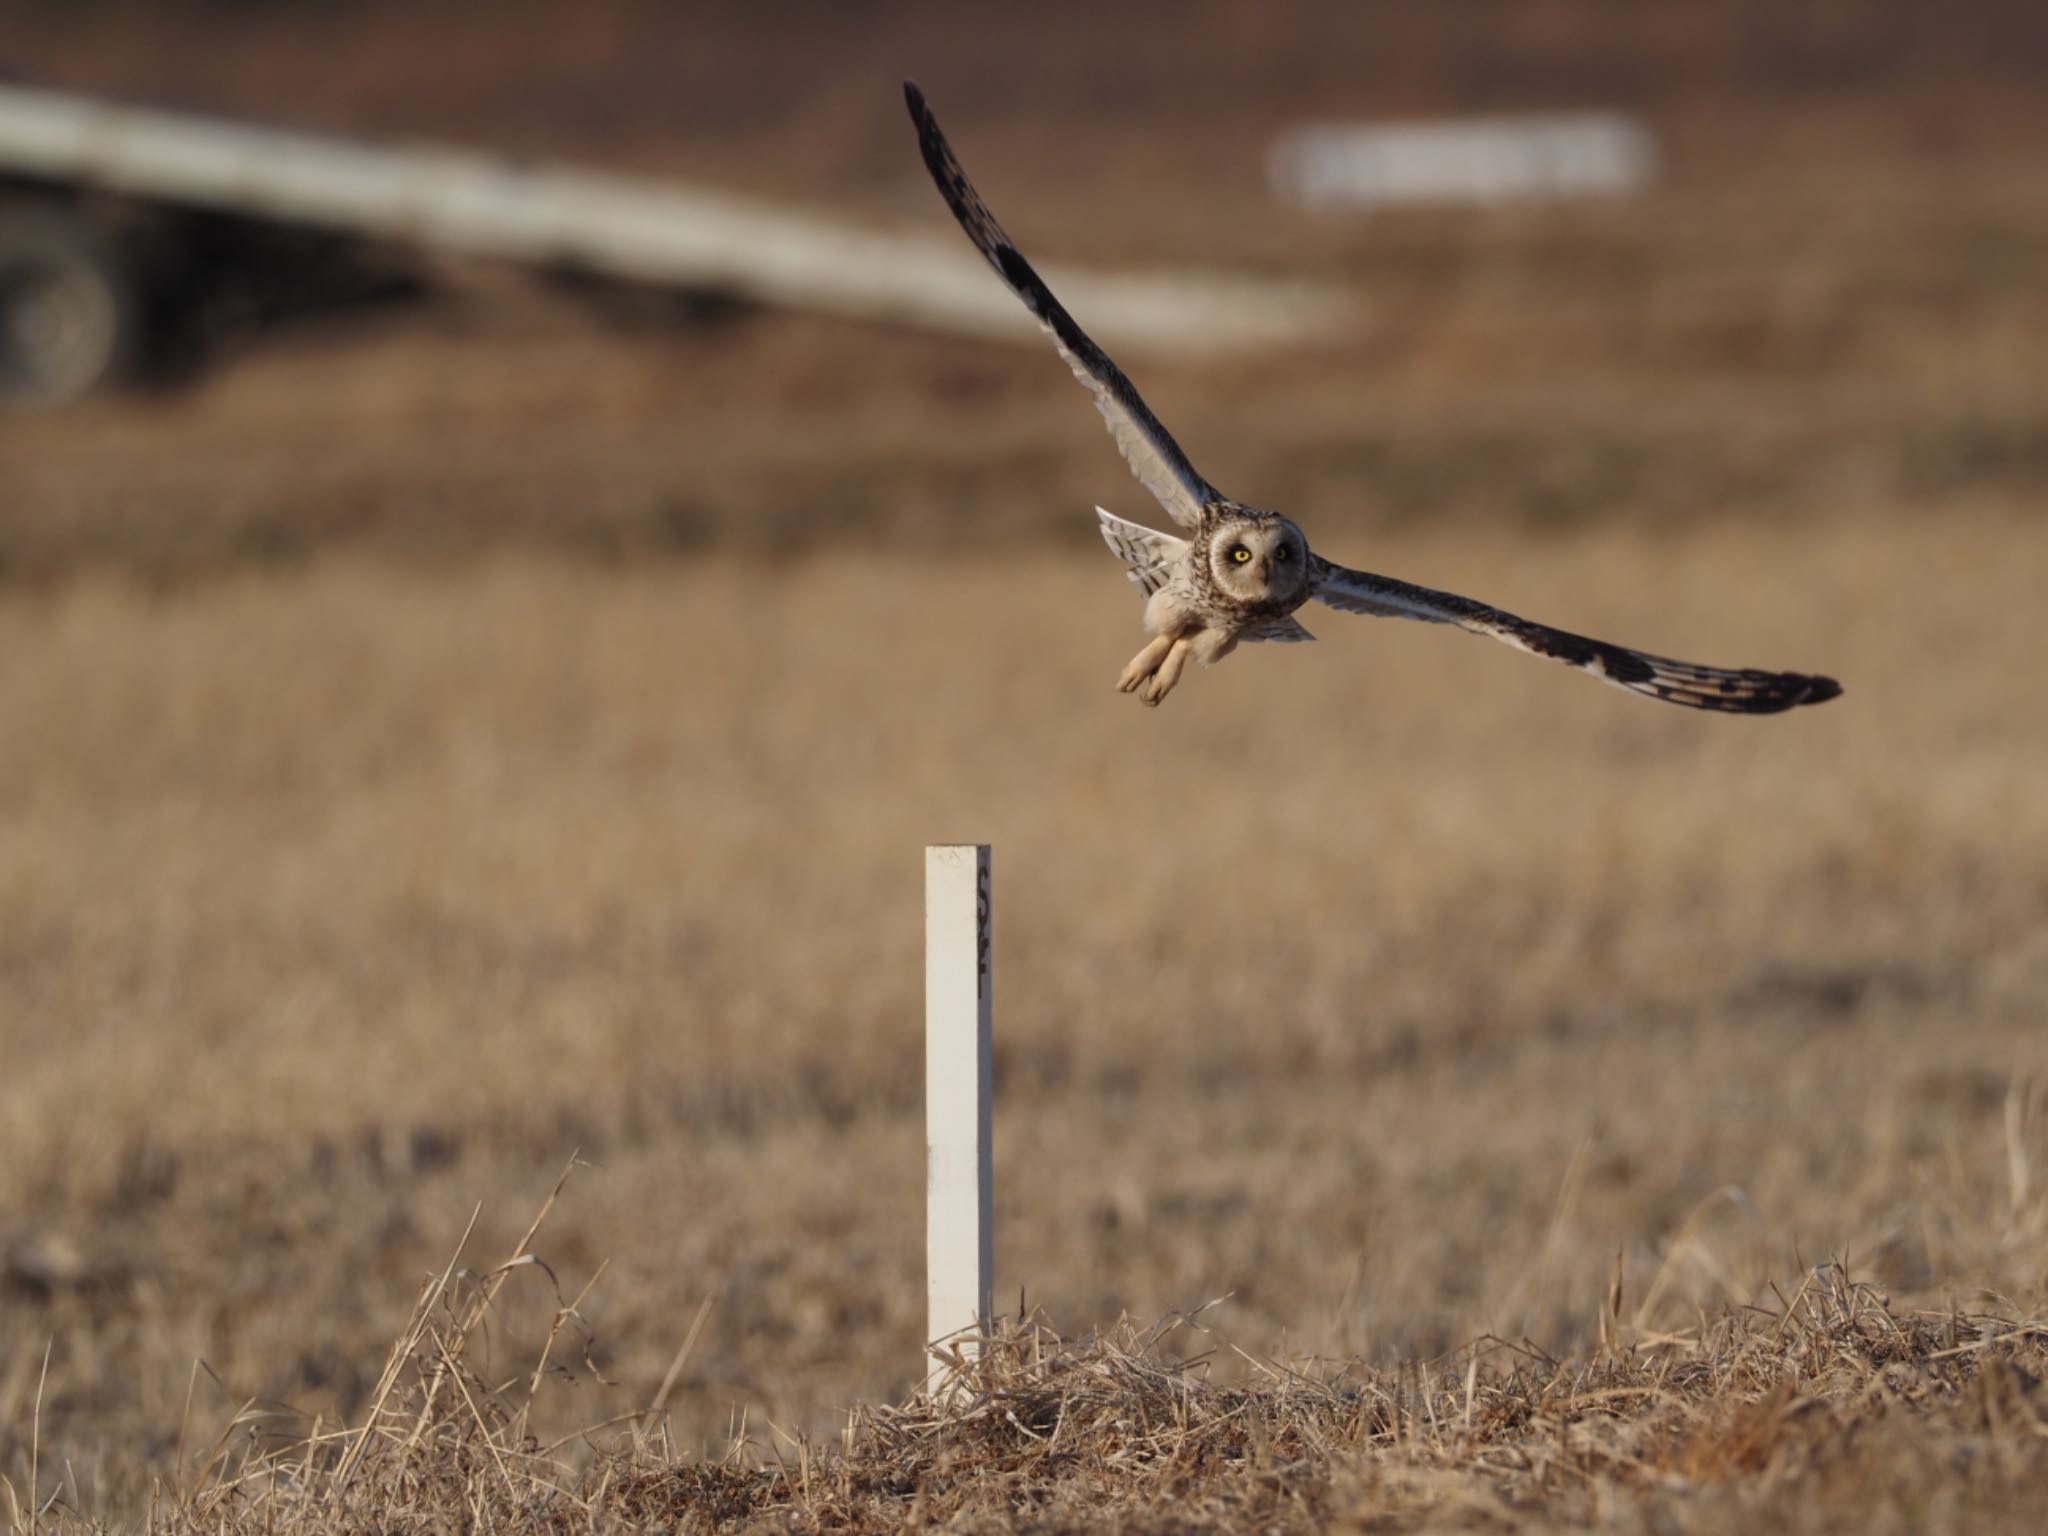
[(958, 1093)]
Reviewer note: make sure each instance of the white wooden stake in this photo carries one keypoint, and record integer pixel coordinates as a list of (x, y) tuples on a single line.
[(959, 1093)]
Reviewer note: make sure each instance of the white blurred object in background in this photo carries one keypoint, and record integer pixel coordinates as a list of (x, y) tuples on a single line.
[(80, 175), (1482, 161)]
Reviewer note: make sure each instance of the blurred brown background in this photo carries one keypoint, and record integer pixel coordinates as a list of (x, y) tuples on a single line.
[(1834, 295), (440, 738)]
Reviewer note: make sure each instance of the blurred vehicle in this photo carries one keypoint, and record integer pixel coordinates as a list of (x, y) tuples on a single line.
[(128, 235)]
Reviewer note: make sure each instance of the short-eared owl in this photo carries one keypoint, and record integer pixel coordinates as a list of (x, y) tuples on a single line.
[(1242, 572)]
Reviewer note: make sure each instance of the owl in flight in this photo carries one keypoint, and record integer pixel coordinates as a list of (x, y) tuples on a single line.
[(1242, 572)]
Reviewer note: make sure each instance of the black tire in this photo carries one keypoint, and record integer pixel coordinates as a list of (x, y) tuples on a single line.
[(68, 308)]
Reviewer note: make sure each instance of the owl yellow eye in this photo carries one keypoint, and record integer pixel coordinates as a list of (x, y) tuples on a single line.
[(1240, 554), (1280, 553)]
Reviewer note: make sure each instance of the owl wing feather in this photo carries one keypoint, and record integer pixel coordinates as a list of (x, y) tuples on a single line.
[(1736, 691), (1155, 458), (1149, 553), (1283, 631)]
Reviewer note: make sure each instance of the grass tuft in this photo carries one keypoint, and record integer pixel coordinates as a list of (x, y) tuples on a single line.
[(1830, 1404)]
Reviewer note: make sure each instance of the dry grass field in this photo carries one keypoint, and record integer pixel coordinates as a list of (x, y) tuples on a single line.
[(1434, 1091), (1394, 990)]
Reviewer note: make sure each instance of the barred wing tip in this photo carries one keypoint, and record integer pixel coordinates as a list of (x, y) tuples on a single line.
[(1729, 690), (1820, 689), (1757, 693)]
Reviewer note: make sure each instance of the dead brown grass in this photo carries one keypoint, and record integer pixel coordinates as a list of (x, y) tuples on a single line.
[(1822, 1408), (335, 903)]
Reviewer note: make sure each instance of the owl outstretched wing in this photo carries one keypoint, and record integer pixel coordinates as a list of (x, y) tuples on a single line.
[(1155, 458), (1744, 691)]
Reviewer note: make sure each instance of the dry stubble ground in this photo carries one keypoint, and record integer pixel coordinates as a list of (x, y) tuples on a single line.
[(1390, 988)]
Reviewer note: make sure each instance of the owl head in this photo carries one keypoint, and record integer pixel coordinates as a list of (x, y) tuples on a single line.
[(1260, 559)]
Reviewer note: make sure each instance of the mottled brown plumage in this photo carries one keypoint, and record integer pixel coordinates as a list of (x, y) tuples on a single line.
[(1242, 572)]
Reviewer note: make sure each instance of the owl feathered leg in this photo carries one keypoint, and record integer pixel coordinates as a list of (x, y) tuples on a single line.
[(1145, 663), (1155, 670), (1169, 671)]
